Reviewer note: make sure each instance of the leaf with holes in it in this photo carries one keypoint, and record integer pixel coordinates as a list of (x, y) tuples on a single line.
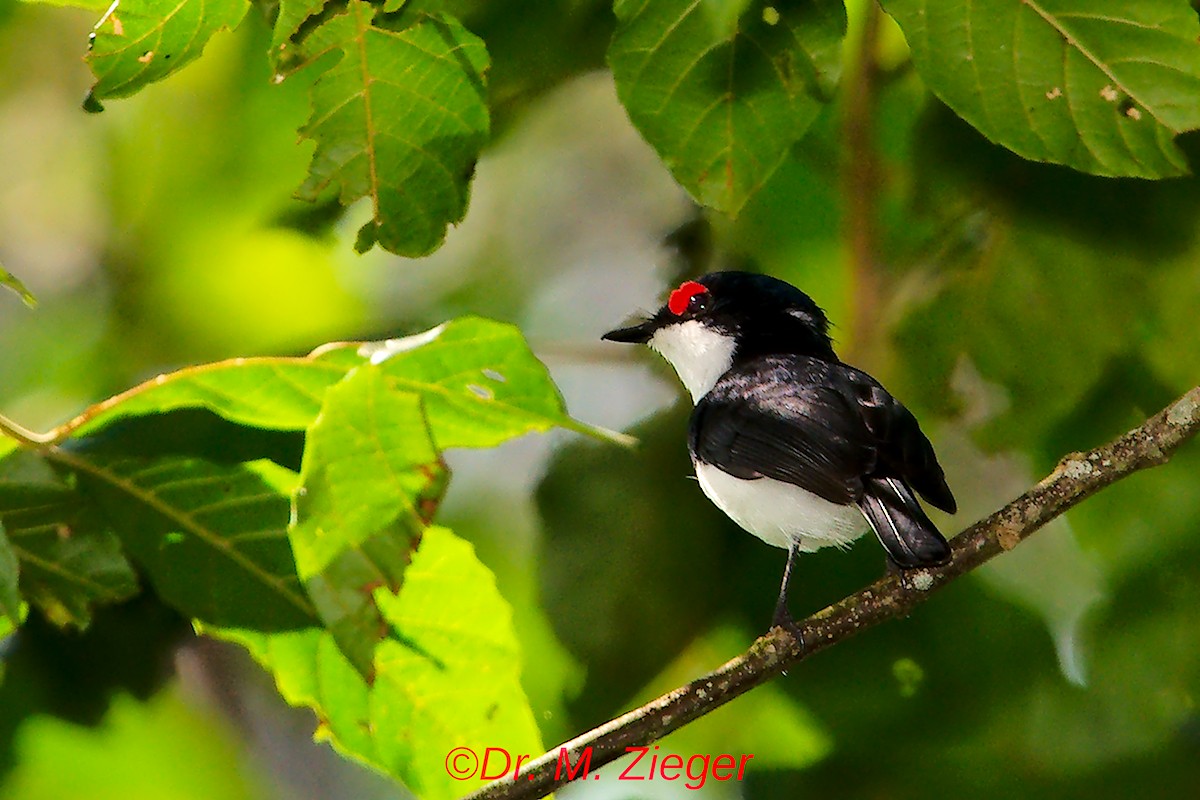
[(211, 537), (447, 676), (292, 16), (480, 382), (399, 118), (722, 90), (286, 51), (67, 559), (139, 42), (1103, 88), (370, 483)]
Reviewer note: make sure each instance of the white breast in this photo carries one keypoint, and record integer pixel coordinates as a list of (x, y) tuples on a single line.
[(698, 353), (780, 513)]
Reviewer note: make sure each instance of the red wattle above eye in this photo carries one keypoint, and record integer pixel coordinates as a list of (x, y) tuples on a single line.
[(678, 301)]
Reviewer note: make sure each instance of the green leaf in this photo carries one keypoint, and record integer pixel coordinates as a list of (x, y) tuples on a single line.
[(480, 382), (369, 485), (722, 89), (10, 596), (67, 558), (211, 537), (368, 458), (90, 5), (292, 15), (447, 677), (1101, 89), (272, 393), (452, 674), (139, 42), (400, 118), (10, 281)]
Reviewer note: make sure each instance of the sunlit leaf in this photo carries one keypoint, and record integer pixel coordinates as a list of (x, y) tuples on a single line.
[(368, 458), (400, 118), (1101, 88), (138, 42), (480, 382), (369, 485), (273, 393), (446, 677), (68, 560), (722, 90)]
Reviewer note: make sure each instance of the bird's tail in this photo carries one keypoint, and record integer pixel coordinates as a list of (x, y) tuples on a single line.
[(910, 538)]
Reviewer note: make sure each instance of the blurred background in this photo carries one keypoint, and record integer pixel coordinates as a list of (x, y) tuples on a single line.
[(1022, 311)]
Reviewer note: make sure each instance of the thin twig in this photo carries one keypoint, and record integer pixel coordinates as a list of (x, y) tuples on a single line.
[(1077, 476)]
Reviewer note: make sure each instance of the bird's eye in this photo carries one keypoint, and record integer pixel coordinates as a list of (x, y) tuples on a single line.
[(690, 296)]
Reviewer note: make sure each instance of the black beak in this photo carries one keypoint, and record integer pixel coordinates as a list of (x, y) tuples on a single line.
[(635, 334)]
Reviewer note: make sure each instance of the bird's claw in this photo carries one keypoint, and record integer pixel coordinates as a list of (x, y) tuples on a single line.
[(783, 619)]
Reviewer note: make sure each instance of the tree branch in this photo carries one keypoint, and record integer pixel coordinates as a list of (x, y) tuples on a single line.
[(1077, 476)]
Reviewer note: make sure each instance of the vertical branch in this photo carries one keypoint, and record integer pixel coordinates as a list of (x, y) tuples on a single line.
[(860, 189)]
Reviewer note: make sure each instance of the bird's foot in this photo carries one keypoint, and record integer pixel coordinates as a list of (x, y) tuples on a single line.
[(783, 619)]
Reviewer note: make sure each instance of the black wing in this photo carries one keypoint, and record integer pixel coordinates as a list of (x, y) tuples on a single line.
[(782, 418)]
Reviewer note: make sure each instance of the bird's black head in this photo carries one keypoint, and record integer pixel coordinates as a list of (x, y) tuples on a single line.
[(723, 318), (762, 314)]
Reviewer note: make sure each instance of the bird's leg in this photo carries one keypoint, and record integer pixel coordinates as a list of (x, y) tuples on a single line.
[(782, 617)]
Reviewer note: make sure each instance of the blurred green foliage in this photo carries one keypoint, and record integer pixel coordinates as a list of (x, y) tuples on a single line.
[(1021, 309), (198, 756)]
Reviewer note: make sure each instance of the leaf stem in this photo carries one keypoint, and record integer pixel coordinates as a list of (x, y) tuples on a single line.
[(23, 435)]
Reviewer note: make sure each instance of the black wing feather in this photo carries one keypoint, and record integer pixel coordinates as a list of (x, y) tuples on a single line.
[(904, 450)]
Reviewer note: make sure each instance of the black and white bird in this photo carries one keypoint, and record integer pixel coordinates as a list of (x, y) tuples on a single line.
[(796, 447)]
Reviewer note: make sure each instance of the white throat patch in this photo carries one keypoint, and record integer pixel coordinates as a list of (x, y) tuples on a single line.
[(699, 354)]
